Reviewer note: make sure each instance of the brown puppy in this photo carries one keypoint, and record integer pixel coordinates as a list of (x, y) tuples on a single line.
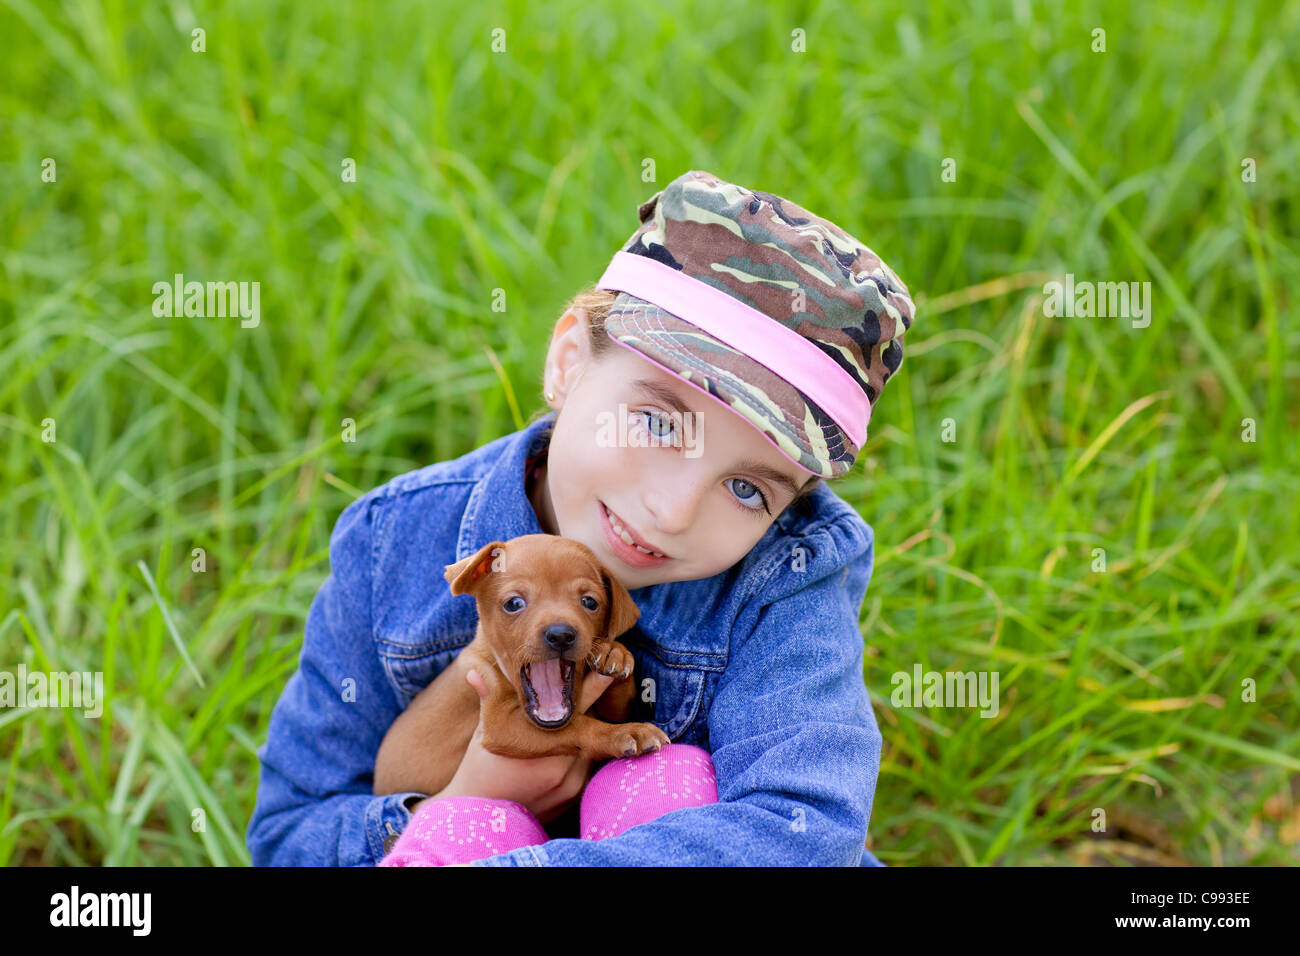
[(548, 610)]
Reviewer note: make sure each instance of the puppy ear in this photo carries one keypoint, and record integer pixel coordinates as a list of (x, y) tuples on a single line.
[(623, 612), (467, 574)]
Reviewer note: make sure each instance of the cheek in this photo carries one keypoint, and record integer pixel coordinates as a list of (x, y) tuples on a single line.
[(725, 530), (576, 483)]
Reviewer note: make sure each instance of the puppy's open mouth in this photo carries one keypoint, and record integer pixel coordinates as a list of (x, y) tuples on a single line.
[(548, 691)]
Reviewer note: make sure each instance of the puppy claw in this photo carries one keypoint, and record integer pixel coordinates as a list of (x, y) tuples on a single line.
[(616, 661), (645, 739)]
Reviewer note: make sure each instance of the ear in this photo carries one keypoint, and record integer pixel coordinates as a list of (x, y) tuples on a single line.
[(465, 575), (623, 612)]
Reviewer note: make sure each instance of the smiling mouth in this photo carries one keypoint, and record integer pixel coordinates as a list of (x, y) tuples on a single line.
[(548, 691), (625, 535)]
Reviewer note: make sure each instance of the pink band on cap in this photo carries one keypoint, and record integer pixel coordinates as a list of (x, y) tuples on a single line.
[(749, 331)]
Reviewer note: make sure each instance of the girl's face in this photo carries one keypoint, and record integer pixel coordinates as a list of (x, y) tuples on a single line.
[(703, 504)]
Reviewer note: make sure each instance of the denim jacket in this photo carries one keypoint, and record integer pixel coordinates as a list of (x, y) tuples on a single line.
[(761, 665)]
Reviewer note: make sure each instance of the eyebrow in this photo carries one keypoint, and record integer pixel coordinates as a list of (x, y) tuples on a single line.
[(669, 397)]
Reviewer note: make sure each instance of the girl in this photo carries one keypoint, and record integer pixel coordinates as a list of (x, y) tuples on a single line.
[(728, 360)]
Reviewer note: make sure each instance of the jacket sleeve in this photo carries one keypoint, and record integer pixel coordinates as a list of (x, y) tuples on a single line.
[(315, 805), (795, 745)]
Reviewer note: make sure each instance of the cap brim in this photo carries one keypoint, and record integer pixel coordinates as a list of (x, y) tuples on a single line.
[(798, 429)]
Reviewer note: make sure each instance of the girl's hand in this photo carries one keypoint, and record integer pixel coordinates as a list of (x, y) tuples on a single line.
[(546, 786)]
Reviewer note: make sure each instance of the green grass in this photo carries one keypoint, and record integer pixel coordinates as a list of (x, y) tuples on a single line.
[(521, 171)]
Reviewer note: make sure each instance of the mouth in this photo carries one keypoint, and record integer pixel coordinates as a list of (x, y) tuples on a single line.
[(548, 691), (631, 548)]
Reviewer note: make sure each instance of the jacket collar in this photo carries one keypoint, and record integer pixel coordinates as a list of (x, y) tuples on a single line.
[(498, 508)]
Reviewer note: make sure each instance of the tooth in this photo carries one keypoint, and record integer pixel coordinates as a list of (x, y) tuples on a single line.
[(627, 538)]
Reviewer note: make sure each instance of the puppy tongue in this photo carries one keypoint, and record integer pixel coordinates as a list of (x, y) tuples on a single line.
[(548, 685)]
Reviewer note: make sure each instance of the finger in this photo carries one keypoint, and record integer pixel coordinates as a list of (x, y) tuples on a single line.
[(592, 687), (566, 793), (576, 781)]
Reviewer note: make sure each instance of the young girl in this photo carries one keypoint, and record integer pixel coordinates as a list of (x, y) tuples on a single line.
[(728, 360)]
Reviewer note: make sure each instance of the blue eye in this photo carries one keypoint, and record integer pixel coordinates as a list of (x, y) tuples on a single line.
[(512, 610), (760, 499), (662, 437)]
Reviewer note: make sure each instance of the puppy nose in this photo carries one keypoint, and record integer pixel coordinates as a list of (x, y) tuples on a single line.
[(560, 637)]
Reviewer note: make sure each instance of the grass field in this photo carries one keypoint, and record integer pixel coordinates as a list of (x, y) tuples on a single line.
[(1121, 690)]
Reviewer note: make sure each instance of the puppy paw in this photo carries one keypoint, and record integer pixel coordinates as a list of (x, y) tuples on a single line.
[(638, 739), (611, 660)]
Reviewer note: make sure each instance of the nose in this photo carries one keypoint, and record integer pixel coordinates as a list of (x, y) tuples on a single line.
[(560, 637), (674, 504)]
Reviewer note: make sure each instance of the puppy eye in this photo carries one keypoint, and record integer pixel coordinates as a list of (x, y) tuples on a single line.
[(517, 607), (590, 603)]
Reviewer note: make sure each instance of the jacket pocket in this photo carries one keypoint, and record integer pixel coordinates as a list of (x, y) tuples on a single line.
[(411, 670), (671, 693)]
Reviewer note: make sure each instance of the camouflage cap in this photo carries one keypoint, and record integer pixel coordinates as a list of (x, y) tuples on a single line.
[(778, 314)]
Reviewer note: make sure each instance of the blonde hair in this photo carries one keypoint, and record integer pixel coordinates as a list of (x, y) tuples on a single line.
[(596, 303)]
